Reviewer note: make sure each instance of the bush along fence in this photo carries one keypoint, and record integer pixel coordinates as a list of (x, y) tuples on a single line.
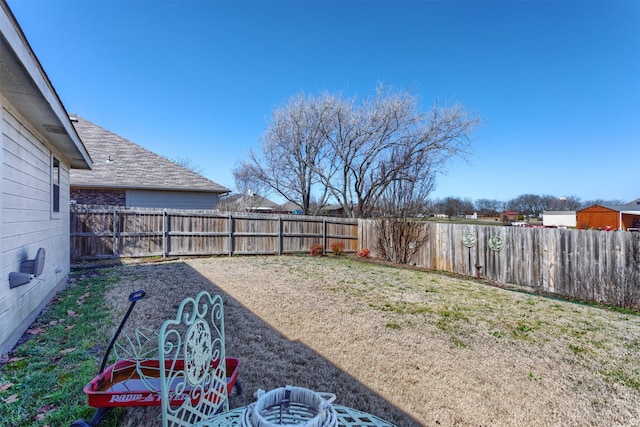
[(113, 232), (590, 265)]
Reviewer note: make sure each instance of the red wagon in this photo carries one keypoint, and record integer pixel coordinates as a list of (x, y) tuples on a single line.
[(133, 382)]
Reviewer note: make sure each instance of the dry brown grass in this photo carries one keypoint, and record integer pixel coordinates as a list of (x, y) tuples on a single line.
[(413, 347)]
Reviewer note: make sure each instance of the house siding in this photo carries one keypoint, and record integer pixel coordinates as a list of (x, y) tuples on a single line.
[(28, 223), (171, 199)]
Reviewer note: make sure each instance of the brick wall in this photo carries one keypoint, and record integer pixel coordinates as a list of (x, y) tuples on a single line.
[(98, 197)]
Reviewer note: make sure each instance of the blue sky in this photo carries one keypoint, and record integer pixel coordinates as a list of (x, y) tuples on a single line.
[(557, 83)]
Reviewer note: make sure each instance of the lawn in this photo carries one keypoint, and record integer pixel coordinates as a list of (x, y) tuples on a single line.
[(414, 347)]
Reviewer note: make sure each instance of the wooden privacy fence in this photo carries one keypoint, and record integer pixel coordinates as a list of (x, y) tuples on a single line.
[(125, 232), (594, 265)]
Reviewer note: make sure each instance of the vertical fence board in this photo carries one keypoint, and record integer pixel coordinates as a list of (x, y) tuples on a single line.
[(98, 232), (586, 264)]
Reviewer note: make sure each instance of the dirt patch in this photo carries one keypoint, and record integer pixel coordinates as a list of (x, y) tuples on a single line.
[(413, 347)]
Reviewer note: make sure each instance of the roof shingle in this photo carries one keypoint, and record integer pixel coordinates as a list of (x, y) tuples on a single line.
[(131, 166)]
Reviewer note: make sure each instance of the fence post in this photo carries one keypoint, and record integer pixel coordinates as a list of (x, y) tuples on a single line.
[(230, 234), (280, 237), (115, 233), (324, 236), (165, 249)]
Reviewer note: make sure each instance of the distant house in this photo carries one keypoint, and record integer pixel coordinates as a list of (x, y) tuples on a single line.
[(620, 217), (509, 216), (559, 219), (291, 208), (249, 203), (126, 174), (38, 147), (336, 210)]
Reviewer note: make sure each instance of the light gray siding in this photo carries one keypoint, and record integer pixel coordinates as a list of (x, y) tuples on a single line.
[(171, 199), (28, 223), (34, 127)]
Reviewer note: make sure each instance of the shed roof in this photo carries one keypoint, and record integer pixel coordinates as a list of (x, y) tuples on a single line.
[(635, 209), (290, 206), (624, 208), (120, 163), (559, 213)]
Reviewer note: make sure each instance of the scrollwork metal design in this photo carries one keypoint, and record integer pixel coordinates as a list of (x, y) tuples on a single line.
[(194, 381), (496, 243), (469, 240)]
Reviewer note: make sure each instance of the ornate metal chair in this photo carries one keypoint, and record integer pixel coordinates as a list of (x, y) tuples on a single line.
[(192, 350)]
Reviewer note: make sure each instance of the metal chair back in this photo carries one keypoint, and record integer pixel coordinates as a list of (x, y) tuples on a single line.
[(192, 351)]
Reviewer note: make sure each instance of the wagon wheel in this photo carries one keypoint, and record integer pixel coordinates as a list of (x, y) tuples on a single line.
[(236, 390), (100, 414)]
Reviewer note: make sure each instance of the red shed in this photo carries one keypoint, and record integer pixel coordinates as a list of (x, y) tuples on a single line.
[(509, 216), (622, 217)]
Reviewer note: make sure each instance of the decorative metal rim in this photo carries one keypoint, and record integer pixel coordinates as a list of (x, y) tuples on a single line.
[(496, 243), (469, 240), (291, 406)]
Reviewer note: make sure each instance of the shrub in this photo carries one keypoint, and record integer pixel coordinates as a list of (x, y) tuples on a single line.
[(398, 239), (337, 248), (364, 253), (316, 249)]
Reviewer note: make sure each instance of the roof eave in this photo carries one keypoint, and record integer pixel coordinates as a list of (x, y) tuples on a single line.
[(151, 188), (28, 88)]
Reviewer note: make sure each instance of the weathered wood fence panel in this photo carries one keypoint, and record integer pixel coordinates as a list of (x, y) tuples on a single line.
[(195, 234), (587, 264), (138, 232), (114, 232), (92, 232)]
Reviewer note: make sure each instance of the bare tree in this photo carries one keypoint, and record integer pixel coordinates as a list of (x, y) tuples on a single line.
[(488, 207), (387, 139), (452, 206), (291, 147), (527, 204), (602, 202), (399, 235), (570, 203), (533, 204), (248, 182), (562, 203), (406, 199), (467, 207), (329, 146)]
